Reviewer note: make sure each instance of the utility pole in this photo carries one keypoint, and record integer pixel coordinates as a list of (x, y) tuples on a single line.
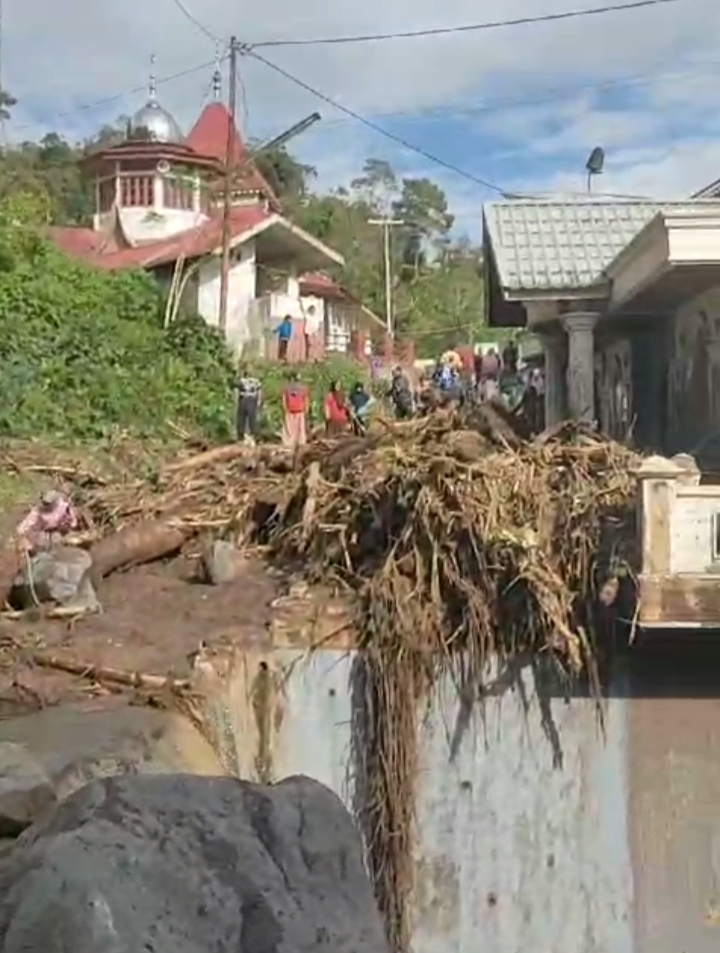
[(387, 224), (227, 190)]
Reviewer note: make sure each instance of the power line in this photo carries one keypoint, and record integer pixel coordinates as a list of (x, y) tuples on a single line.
[(194, 20), (467, 28), (551, 95), (117, 97), (374, 126)]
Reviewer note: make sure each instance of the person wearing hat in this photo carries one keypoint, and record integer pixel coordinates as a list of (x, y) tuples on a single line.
[(53, 516)]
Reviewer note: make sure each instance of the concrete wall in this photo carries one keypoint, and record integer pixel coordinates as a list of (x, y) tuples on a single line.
[(614, 850), (513, 853)]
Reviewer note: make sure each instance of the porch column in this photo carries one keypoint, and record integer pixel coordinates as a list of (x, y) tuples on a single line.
[(580, 328), (553, 347)]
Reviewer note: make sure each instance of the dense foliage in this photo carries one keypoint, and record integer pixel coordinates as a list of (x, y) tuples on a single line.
[(83, 353)]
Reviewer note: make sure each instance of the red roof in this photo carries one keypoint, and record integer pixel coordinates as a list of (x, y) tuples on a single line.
[(209, 137), (104, 252), (82, 242)]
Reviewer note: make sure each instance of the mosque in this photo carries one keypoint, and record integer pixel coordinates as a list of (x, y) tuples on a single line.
[(158, 206)]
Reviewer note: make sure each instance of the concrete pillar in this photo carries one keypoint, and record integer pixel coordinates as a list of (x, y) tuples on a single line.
[(580, 328), (554, 350)]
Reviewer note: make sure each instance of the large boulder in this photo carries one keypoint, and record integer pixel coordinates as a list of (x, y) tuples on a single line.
[(181, 864)]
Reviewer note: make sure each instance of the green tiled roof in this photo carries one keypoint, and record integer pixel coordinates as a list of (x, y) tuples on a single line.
[(543, 245)]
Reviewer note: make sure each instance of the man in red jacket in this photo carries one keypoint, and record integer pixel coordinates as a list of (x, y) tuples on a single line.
[(296, 403)]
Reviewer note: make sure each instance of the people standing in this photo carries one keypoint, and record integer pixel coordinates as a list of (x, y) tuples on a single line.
[(361, 404), (489, 383), (401, 394), (308, 329), (249, 400), (337, 415), (296, 403), (284, 332)]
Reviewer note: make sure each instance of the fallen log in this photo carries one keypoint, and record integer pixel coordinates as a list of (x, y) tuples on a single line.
[(207, 457), (136, 544), (100, 673)]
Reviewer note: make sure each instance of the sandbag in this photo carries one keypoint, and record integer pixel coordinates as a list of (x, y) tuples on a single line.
[(180, 864)]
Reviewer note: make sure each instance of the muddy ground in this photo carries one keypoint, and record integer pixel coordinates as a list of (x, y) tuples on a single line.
[(154, 617)]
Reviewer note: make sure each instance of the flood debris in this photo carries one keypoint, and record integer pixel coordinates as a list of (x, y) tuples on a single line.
[(464, 547)]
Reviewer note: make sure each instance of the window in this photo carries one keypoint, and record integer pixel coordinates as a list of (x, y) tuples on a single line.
[(178, 194), (136, 191)]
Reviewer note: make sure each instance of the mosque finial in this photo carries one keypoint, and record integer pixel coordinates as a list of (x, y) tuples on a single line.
[(217, 75), (152, 82)]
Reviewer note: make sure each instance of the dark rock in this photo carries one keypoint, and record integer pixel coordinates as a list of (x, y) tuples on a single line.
[(179, 864)]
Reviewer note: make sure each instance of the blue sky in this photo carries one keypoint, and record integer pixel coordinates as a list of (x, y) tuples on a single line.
[(520, 108)]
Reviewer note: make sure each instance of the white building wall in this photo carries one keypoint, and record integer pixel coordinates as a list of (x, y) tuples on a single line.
[(241, 293), (157, 223), (150, 225)]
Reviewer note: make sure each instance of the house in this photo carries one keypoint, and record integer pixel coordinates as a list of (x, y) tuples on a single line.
[(625, 298), (158, 206)]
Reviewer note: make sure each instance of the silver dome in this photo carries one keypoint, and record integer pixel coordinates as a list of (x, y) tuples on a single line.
[(154, 123)]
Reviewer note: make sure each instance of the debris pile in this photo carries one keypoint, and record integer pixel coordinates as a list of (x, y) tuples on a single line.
[(453, 530)]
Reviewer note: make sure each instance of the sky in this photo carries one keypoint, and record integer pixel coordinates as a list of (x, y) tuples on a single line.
[(517, 108)]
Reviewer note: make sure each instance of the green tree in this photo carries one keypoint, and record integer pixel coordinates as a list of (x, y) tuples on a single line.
[(377, 185), (287, 177), (423, 206)]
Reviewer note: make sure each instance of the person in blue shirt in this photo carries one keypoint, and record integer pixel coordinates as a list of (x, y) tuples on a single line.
[(284, 333)]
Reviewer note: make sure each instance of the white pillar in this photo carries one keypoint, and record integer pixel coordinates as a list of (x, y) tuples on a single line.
[(554, 351), (580, 328)]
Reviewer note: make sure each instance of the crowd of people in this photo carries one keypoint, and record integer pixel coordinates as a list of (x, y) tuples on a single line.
[(494, 376), (341, 412)]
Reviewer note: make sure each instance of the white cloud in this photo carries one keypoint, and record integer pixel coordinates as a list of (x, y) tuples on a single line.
[(57, 57)]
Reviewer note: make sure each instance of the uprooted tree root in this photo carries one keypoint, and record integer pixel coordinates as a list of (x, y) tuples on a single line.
[(469, 552)]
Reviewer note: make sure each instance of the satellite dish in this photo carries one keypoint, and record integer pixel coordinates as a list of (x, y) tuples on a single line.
[(594, 165), (163, 167), (596, 161)]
